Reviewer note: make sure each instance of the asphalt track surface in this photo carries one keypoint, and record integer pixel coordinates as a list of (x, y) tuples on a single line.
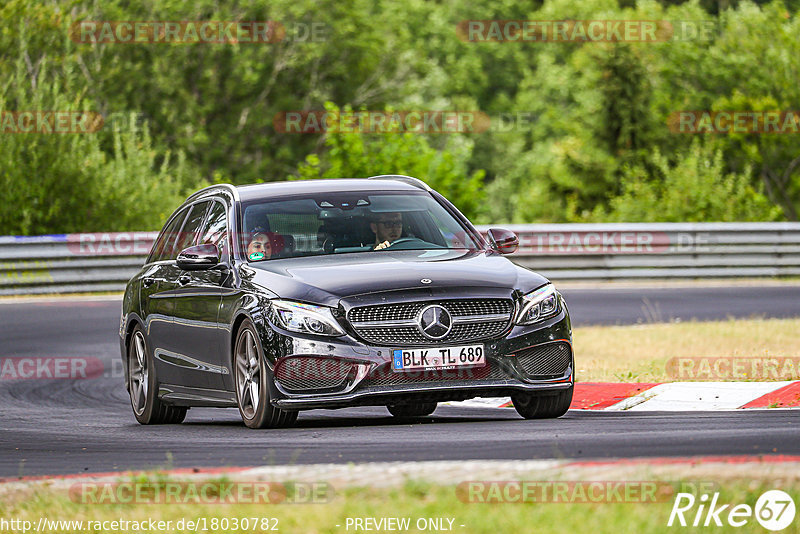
[(50, 427)]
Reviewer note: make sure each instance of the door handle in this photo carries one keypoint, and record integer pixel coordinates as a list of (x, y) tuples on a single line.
[(184, 279), (148, 281)]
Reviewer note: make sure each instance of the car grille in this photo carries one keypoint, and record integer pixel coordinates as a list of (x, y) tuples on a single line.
[(409, 310), (385, 376), (314, 373), (550, 360), (474, 325)]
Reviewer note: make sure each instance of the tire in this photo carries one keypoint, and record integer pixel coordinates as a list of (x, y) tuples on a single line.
[(418, 409), (253, 383), (143, 386), (541, 406)]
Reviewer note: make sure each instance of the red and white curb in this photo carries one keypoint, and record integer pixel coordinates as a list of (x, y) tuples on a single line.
[(670, 396)]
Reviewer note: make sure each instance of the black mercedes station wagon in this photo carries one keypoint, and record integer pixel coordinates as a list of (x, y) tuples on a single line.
[(281, 297)]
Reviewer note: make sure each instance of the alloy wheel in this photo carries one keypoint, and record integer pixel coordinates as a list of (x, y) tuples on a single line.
[(139, 375), (248, 374)]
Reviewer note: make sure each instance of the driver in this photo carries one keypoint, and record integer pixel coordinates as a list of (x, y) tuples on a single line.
[(387, 227)]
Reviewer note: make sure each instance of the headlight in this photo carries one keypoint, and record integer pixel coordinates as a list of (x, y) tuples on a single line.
[(305, 318), (538, 305)]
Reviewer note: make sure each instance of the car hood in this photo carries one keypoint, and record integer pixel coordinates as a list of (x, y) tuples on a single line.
[(328, 279)]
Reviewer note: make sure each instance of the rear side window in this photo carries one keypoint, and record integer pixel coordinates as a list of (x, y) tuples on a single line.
[(166, 240), (191, 228), (215, 230)]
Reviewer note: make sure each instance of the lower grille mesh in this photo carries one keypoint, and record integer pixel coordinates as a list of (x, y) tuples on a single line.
[(385, 376), (545, 361), (305, 374)]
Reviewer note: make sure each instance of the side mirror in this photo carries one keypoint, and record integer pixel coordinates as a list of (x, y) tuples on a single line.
[(198, 258), (503, 241)]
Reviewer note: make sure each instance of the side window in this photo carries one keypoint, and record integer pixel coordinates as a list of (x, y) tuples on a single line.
[(166, 239), (215, 230), (191, 228)]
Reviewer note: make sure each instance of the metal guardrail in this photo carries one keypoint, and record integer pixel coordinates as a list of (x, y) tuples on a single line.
[(659, 250), (105, 261), (71, 263)]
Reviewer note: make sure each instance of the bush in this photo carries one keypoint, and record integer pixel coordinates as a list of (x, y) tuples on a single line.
[(695, 189), (80, 182)]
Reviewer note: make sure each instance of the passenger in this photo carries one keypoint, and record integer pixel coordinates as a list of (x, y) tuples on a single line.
[(263, 245), (387, 227)]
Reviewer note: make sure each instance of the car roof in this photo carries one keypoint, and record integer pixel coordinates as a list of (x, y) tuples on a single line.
[(334, 185), (246, 193)]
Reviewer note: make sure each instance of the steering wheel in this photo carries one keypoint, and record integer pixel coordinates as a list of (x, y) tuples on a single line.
[(411, 243), (402, 240)]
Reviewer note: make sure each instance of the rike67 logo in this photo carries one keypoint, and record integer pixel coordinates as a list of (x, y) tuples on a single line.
[(774, 510)]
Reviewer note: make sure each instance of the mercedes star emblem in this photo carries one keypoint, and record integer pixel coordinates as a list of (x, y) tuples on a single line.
[(435, 322)]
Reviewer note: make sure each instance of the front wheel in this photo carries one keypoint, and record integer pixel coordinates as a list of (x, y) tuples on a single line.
[(143, 386), (252, 383), (418, 409), (533, 406)]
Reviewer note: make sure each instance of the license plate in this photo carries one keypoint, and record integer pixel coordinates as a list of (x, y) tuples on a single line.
[(438, 358)]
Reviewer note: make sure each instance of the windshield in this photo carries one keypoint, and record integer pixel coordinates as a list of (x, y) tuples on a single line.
[(336, 223)]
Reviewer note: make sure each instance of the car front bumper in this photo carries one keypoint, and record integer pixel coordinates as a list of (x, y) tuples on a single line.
[(368, 379)]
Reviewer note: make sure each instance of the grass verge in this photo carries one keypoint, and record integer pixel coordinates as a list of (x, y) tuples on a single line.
[(640, 353), (417, 501)]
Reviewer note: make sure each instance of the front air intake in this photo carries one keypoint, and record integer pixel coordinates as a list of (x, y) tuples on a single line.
[(550, 360), (310, 374)]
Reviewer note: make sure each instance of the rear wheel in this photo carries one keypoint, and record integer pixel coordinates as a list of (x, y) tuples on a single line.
[(418, 409), (252, 383), (143, 386), (542, 407)]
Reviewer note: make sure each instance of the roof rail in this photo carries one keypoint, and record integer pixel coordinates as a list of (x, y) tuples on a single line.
[(416, 182), (228, 187)]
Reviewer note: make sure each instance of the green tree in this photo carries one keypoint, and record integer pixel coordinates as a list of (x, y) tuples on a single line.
[(599, 109), (695, 189), (68, 182)]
